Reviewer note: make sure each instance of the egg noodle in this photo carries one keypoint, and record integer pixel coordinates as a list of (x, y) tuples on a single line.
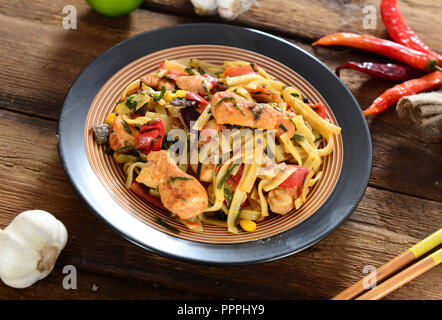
[(249, 171)]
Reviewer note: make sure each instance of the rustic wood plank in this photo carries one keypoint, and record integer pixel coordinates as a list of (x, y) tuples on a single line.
[(93, 286), (46, 75), (42, 60), (384, 224), (312, 19)]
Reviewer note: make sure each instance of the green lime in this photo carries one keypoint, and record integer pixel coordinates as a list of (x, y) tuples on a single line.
[(114, 8)]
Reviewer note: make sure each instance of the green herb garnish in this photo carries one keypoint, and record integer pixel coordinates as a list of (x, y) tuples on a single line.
[(253, 66), (161, 95), (126, 127), (206, 89), (235, 105), (168, 78), (201, 70), (131, 103), (228, 194), (189, 71), (173, 179), (282, 127), (298, 137), (227, 175), (198, 170), (166, 225), (125, 148), (295, 94)]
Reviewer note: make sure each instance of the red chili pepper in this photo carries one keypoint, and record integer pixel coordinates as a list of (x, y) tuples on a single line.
[(396, 51), (399, 30), (150, 137), (389, 71), (319, 109), (296, 179), (392, 95)]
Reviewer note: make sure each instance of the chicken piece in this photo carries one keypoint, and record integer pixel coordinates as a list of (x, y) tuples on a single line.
[(282, 200), (156, 83), (206, 173), (194, 84), (122, 136), (181, 193), (230, 108)]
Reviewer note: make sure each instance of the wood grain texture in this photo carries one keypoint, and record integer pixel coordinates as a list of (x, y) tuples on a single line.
[(40, 60), (384, 224), (312, 19)]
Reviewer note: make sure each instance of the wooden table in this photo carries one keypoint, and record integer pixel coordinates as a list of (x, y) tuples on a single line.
[(39, 60)]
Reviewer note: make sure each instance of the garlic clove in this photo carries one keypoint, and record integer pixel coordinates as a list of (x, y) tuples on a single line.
[(231, 9), (29, 247), (205, 7)]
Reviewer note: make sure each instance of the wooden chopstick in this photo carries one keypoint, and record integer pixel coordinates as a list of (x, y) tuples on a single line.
[(392, 266), (403, 277)]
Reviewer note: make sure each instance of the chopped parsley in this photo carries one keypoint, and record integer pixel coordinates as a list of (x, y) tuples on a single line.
[(298, 137), (206, 89), (165, 224), (173, 179), (201, 70), (227, 175), (131, 103), (235, 105), (125, 148), (282, 127), (161, 95), (198, 170), (189, 71), (295, 94), (126, 127)]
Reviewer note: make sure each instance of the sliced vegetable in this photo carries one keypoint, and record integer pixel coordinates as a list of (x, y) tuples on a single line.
[(429, 81), (396, 51), (233, 180), (319, 109), (399, 30), (235, 71), (150, 137), (296, 179), (389, 71)]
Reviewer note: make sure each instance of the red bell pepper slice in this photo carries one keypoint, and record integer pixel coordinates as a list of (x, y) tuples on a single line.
[(150, 137), (195, 96), (319, 109), (296, 179), (236, 71)]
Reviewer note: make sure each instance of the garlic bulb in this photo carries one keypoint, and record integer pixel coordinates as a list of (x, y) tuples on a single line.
[(205, 7), (29, 247), (227, 9), (231, 9)]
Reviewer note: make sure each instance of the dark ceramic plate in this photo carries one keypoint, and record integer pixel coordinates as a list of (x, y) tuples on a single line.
[(96, 179)]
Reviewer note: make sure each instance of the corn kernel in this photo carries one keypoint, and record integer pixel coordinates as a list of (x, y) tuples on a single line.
[(181, 93), (110, 119), (247, 225), (168, 96)]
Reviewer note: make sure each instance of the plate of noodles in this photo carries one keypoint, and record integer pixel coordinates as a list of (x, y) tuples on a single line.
[(233, 147)]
